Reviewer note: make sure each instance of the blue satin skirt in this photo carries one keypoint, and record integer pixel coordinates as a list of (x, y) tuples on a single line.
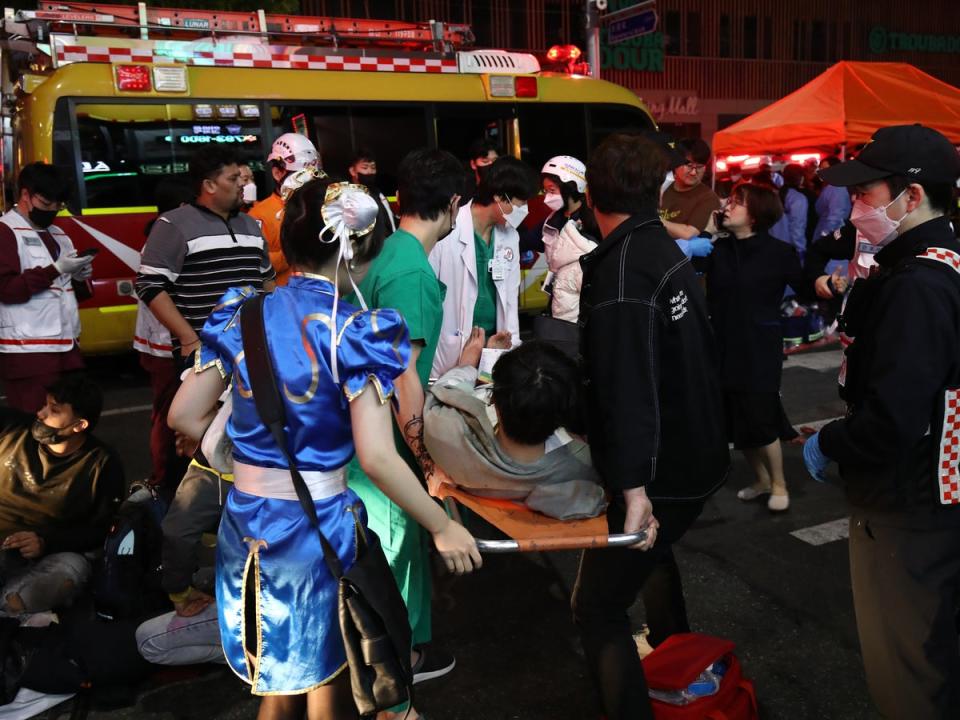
[(276, 599)]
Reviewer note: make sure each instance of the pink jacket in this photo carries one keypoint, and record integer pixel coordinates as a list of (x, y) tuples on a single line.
[(563, 250)]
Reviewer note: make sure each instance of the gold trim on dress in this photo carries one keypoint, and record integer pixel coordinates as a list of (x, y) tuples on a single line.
[(346, 324), (327, 680), (246, 393), (312, 276), (246, 292), (312, 356), (397, 339), (199, 368), (384, 397)]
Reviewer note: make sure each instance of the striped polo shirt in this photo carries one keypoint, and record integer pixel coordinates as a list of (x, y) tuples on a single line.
[(195, 255)]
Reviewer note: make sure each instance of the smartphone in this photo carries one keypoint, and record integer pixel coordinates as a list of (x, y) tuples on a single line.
[(718, 219), (89, 252)]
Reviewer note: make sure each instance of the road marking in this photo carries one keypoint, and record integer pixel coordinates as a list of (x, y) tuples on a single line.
[(815, 361), (127, 411), (824, 533)]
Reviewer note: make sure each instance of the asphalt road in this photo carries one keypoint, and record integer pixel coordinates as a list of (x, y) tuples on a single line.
[(782, 599)]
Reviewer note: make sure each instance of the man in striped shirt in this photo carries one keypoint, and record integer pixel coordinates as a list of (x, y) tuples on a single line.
[(196, 252)]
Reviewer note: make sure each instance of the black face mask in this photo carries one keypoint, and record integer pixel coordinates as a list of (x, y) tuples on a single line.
[(46, 435), (482, 171), (42, 218), (368, 179)]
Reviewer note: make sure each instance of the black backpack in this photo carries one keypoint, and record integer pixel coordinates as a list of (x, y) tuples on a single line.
[(127, 578)]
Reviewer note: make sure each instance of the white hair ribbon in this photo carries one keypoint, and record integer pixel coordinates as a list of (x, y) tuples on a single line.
[(348, 212)]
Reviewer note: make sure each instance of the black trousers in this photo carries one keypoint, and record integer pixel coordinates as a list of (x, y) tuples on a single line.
[(906, 585), (607, 586)]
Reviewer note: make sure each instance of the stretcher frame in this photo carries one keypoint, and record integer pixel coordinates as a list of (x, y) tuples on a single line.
[(529, 530)]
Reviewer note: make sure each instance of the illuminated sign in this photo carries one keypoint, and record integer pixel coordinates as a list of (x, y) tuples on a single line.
[(644, 53), (99, 166), (200, 139), (884, 41), (203, 111)]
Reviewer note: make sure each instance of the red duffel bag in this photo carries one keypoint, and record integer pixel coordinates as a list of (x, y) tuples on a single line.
[(678, 661)]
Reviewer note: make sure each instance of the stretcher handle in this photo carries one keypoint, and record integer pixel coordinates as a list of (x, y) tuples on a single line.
[(561, 543)]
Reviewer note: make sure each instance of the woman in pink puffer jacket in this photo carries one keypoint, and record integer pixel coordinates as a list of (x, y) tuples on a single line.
[(564, 239), (563, 249)]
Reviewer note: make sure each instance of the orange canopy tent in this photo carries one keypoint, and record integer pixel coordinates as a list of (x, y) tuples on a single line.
[(846, 105)]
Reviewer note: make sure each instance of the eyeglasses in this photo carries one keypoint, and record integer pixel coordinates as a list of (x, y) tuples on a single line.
[(734, 202), (695, 167)]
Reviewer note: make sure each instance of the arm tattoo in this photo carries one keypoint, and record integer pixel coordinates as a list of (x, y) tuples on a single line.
[(413, 435)]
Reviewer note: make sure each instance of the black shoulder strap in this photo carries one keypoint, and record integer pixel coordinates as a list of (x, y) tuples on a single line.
[(266, 396)]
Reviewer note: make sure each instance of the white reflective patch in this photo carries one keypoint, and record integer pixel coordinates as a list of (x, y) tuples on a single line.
[(127, 545), (128, 256), (824, 533)]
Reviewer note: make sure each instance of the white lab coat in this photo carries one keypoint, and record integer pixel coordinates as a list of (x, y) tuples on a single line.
[(454, 260)]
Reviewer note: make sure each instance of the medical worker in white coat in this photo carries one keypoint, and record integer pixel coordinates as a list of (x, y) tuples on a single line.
[(479, 262)]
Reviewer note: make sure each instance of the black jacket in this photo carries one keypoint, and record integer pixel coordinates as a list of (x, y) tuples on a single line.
[(906, 323), (745, 284), (654, 408)]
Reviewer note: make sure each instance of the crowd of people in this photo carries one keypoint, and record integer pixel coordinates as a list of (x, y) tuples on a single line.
[(662, 346)]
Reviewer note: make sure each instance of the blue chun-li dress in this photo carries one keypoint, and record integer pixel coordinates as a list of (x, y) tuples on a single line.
[(276, 599)]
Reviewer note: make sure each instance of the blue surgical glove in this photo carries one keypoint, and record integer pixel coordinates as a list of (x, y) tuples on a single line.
[(814, 458), (696, 246)]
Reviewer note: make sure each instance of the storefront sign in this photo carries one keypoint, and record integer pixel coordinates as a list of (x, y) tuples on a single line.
[(643, 53), (673, 106), (884, 41)]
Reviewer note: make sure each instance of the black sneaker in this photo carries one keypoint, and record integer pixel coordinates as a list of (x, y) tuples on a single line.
[(433, 662)]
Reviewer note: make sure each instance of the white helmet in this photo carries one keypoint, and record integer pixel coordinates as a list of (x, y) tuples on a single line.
[(295, 151), (568, 169)]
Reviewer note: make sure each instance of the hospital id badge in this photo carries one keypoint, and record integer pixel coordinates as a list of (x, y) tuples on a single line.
[(497, 270)]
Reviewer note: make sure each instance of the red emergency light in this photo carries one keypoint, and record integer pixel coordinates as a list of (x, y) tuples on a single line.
[(564, 53), (133, 78)]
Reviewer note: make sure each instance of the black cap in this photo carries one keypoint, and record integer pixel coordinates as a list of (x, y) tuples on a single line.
[(675, 155), (913, 151)]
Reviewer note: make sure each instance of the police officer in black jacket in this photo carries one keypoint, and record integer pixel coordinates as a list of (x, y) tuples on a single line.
[(654, 412), (898, 446)]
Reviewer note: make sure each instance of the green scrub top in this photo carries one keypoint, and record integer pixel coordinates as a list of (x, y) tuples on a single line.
[(485, 309)]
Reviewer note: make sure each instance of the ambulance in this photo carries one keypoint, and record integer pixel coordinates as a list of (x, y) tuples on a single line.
[(121, 97)]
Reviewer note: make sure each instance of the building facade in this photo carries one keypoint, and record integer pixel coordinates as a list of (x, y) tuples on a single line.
[(710, 62)]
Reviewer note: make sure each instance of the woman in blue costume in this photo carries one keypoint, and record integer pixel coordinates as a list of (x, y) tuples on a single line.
[(276, 599)]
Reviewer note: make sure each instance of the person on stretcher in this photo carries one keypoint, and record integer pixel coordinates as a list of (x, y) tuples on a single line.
[(526, 455)]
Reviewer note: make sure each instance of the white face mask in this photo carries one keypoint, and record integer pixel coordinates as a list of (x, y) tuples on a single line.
[(515, 216), (250, 193), (554, 201), (873, 223)]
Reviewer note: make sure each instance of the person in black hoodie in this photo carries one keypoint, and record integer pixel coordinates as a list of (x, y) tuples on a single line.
[(654, 411), (897, 446), (747, 273)]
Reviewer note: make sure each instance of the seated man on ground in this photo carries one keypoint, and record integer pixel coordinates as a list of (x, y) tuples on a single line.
[(535, 393), (59, 490)]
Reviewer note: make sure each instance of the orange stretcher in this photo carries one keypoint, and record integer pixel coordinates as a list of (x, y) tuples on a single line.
[(529, 530)]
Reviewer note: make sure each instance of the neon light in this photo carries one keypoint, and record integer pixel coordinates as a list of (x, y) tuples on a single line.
[(803, 157), (136, 210), (109, 175), (201, 139)]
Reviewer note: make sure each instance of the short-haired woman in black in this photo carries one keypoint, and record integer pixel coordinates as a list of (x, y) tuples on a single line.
[(747, 273)]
